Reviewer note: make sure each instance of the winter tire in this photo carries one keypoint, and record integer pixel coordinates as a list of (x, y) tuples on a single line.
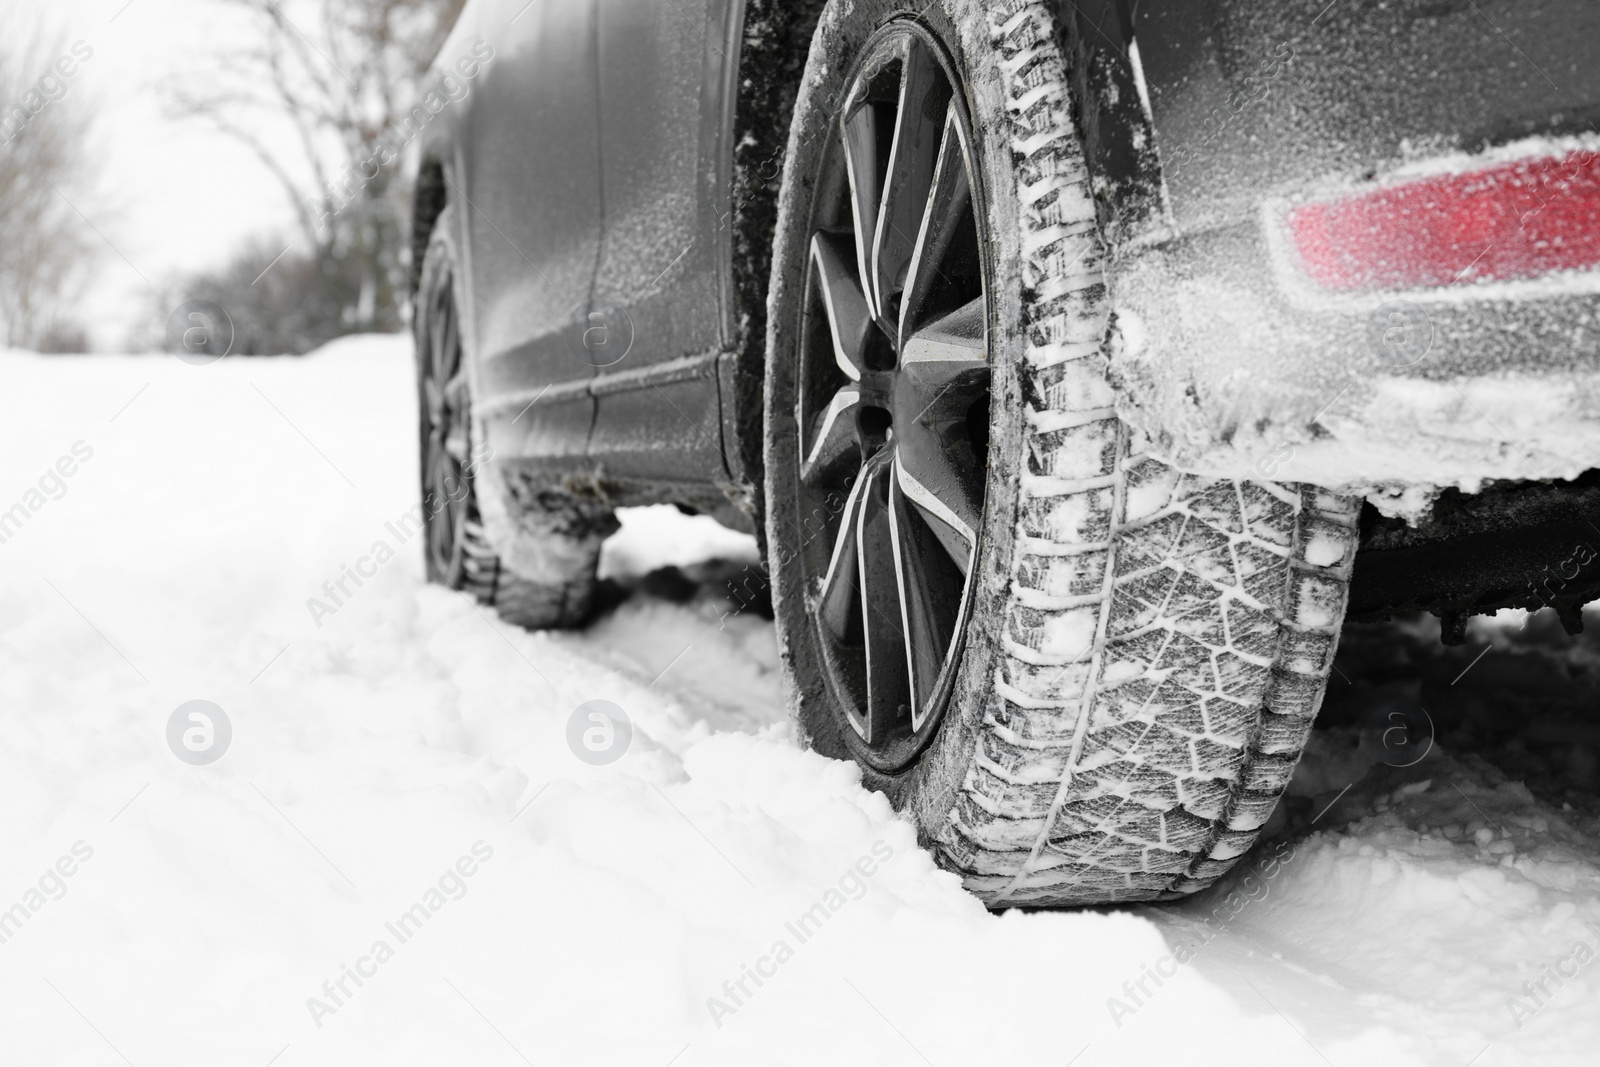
[(1085, 675), (556, 585)]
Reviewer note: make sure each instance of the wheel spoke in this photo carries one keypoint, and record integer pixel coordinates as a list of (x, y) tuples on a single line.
[(836, 598), (960, 337), (913, 157), (949, 199), (455, 444), (944, 369), (455, 417), (952, 518), (446, 351), (927, 608), (849, 317), (433, 399), (861, 166), (944, 373), (882, 632), (834, 437)]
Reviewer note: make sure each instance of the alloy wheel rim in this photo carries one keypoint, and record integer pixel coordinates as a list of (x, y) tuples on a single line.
[(444, 461), (893, 398)]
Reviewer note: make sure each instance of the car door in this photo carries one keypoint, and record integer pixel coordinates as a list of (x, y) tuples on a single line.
[(665, 69), (526, 185)]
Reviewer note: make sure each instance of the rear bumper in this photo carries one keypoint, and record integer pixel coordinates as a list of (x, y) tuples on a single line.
[(1233, 361)]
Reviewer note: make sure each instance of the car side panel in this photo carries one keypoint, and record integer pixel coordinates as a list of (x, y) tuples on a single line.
[(524, 174), (659, 160), (664, 260), (554, 176)]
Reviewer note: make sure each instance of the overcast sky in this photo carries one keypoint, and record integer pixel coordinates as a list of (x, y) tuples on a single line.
[(176, 194)]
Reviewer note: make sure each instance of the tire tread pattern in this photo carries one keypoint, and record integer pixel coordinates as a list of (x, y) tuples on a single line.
[(1168, 636)]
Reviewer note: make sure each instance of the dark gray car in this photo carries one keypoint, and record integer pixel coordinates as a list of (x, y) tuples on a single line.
[(1069, 359)]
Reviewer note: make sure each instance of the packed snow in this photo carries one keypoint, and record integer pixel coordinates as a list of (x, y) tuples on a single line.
[(414, 849)]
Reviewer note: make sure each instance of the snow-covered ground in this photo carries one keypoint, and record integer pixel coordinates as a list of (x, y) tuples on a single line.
[(400, 859)]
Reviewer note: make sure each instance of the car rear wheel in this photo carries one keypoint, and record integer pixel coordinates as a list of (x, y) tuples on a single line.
[(555, 587), (1085, 675)]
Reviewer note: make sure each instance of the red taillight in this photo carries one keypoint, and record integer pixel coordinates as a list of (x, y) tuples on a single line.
[(1511, 221)]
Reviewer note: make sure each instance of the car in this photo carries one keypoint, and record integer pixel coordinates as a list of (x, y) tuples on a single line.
[(1081, 367)]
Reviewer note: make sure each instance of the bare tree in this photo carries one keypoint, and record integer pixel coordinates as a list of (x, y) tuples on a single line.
[(338, 77), (45, 248)]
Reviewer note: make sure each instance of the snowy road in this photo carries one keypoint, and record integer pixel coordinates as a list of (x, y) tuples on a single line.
[(399, 859)]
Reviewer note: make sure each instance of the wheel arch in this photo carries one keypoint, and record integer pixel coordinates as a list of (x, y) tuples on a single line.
[(774, 44), (775, 41)]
